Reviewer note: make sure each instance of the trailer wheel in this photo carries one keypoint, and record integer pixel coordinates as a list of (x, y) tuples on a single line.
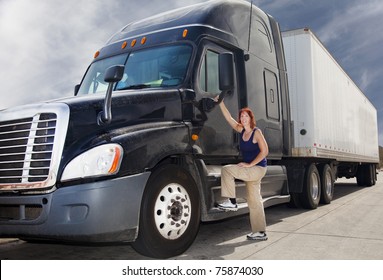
[(170, 213), (327, 184), (371, 175), (366, 175), (311, 189), (360, 176)]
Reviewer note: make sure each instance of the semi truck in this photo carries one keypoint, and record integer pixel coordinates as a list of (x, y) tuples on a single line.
[(136, 154)]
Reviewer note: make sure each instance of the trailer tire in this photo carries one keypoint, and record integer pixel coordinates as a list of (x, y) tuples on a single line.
[(366, 175), (311, 193), (370, 175), (327, 184), (360, 176), (170, 213)]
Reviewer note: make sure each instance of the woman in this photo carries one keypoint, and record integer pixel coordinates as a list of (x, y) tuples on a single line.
[(254, 150)]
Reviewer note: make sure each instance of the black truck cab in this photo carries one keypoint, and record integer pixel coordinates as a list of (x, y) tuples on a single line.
[(136, 155)]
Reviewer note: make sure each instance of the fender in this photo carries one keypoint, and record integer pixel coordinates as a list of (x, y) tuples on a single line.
[(145, 145)]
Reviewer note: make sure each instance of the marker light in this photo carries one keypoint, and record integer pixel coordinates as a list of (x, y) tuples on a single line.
[(194, 137), (185, 33), (124, 44), (103, 160), (143, 40), (133, 43), (115, 166), (96, 54)]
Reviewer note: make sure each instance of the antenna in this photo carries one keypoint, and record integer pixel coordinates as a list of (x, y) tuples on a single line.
[(251, 16)]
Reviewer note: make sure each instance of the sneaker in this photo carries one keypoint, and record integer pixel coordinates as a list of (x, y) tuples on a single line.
[(228, 206), (257, 236)]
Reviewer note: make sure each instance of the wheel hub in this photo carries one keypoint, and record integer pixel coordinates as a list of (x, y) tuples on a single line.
[(176, 211), (314, 186), (328, 184)]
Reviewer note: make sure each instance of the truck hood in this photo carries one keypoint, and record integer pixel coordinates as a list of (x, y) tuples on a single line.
[(128, 108)]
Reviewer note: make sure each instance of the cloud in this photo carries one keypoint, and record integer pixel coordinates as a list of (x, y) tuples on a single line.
[(278, 5), (352, 31), (46, 46), (353, 18), (41, 47), (354, 38)]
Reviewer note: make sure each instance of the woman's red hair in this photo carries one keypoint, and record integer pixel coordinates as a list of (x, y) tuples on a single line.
[(251, 115)]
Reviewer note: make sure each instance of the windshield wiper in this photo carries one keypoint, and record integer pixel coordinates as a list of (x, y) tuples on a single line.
[(138, 86)]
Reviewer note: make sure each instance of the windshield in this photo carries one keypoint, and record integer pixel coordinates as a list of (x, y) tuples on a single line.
[(164, 66)]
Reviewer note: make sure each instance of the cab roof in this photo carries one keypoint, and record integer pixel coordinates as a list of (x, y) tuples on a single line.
[(228, 16)]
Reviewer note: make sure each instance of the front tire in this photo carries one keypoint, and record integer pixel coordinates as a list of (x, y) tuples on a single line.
[(170, 213)]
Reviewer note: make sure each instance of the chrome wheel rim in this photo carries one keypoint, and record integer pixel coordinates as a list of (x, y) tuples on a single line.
[(314, 186), (328, 184), (172, 211)]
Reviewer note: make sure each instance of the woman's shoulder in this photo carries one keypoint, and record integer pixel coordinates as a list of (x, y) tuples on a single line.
[(257, 131)]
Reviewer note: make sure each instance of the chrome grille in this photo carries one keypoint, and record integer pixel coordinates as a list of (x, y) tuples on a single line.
[(26, 147), (32, 139)]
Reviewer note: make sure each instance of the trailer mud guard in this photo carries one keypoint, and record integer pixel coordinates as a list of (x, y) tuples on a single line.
[(295, 175)]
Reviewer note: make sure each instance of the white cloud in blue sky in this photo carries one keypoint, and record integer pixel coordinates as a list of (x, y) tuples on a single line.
[(45, 46)]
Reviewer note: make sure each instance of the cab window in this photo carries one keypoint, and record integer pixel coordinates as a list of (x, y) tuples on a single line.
[(163, 66)]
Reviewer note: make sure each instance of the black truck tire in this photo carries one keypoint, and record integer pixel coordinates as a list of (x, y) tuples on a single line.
[(170, 213), (311, 193), (366, 175), (327, 184)]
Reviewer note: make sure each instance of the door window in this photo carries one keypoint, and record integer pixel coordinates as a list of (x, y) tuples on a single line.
[(209, 80)]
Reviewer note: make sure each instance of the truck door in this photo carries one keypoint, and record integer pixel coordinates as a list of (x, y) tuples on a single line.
[(216, 137), (273, 129)]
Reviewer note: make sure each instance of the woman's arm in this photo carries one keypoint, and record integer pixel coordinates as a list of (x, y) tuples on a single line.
[(260, 139), (231, 121)]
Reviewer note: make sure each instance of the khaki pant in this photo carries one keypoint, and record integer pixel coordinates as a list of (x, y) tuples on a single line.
[(252, 176)]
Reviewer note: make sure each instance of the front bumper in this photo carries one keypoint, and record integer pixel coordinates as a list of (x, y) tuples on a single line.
[(102, 211)]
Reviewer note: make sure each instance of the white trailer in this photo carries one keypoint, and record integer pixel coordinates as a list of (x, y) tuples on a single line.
[(334, 125), (332, 118)]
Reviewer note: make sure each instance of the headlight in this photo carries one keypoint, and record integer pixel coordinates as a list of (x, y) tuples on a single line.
[(99, 161)]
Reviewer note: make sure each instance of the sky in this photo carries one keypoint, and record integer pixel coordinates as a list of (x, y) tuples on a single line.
[(46, 46)]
